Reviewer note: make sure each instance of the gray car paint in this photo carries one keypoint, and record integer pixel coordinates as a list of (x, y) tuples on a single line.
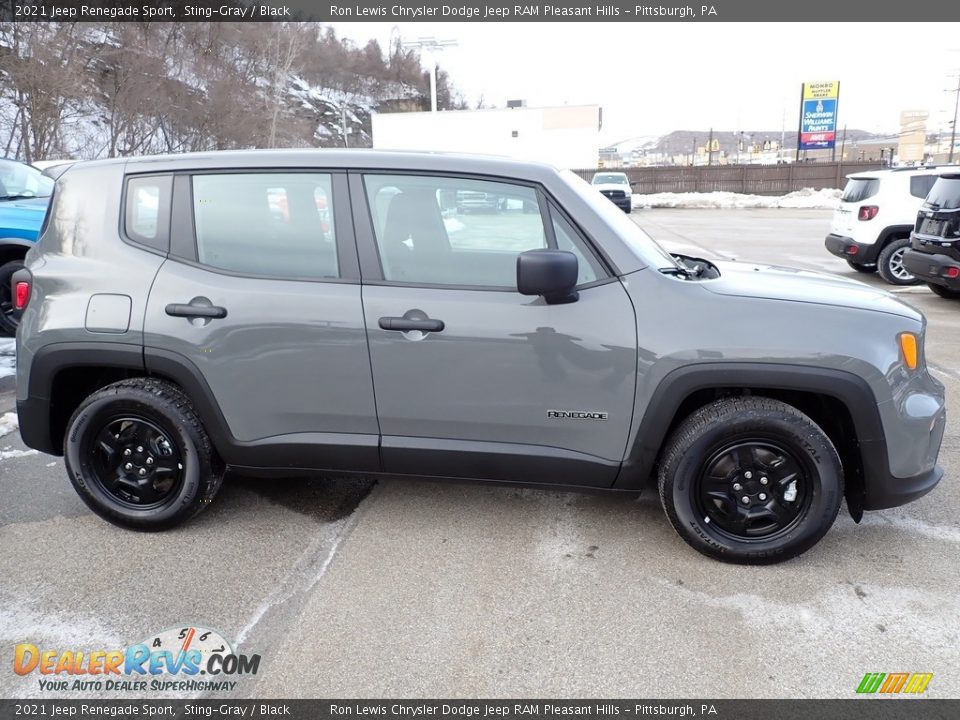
[(280, 369)]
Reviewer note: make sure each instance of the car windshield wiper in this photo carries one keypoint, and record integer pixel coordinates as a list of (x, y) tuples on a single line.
[(20, 197)]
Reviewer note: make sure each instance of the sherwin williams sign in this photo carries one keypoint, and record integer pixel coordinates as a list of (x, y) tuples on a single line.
[(818, 115)]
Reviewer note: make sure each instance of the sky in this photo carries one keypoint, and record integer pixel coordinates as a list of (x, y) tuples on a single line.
[(657, 77)]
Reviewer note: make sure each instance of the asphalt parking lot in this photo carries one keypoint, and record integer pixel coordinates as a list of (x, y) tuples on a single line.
[(425, 589)]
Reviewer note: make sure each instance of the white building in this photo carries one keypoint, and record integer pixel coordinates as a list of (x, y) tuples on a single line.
[(567, 136)]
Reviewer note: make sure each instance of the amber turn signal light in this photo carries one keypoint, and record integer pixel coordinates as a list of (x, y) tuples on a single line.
[(909, 349)]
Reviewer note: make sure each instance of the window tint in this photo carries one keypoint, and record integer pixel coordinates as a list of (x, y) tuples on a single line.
[(569, 240), (920, 185), (453, 231), (858, 189), (147, 213), (266, 224), (945, 193)]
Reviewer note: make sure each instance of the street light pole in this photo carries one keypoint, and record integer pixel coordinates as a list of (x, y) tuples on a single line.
[(432, 46), (953, 130)]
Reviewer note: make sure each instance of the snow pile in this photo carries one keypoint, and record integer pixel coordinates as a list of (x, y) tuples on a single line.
[(8, 423), (8, 357), (825, 199)]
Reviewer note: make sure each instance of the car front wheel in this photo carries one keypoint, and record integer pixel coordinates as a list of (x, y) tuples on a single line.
[(139, 457), (750, 480)]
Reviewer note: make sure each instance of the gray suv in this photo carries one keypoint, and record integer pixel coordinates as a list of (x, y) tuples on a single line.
[(301, 311)]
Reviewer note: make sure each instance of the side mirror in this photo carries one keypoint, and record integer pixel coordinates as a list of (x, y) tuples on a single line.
[(550, 273)]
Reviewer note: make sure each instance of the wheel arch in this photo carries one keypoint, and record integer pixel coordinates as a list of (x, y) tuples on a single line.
[(840, 402), (13, 249), (62, 375)]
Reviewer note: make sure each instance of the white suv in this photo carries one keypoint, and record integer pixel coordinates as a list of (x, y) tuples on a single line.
[(871, 226), (615, 186)]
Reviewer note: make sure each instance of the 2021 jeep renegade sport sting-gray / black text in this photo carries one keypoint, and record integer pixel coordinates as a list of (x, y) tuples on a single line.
[(323, 310)]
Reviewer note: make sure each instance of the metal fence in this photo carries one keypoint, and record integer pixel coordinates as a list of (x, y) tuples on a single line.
[(752, 179)]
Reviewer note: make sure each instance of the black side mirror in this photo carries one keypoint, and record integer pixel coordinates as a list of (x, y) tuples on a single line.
[(550, 273)]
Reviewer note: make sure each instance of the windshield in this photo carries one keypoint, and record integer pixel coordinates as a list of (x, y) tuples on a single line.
[(945, 193), (642, 245), (610, 179), (22, 181)]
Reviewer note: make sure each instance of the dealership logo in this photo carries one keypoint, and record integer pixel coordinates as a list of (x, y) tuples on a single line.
[(173, 659), (894, 683)]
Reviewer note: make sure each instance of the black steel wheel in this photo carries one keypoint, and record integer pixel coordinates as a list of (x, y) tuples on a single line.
[(753, 488), (750, 480), (139, 457)]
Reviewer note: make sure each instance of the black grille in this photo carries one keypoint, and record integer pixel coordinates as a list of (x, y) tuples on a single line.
[(618, 194)]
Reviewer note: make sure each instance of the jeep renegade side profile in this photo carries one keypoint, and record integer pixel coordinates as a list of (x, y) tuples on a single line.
[(282, 311)]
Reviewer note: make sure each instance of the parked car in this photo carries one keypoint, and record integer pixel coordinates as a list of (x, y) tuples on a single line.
[(615, 186), (935, 253), (24, 196), (175, 324), (872, 224)]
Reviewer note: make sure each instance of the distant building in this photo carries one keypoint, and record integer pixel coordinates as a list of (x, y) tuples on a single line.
[(566, 136)]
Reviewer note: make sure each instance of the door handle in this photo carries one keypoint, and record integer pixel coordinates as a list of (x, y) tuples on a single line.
[(195, 311), (403, 324)]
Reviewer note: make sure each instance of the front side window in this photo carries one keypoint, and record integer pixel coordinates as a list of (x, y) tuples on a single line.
[(271, 224), (453, 231)]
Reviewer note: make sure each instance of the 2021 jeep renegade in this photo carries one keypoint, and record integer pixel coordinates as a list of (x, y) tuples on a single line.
[(282, 311)]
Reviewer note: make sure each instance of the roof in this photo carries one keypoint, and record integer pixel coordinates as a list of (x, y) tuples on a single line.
[(361, 159), (905, 170)]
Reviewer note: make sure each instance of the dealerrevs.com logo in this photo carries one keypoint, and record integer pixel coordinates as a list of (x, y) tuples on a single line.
[(185, 659), (894, 683)]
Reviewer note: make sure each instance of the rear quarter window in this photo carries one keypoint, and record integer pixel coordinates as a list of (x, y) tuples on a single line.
[(920, 185), (859, 189), (147, 211)]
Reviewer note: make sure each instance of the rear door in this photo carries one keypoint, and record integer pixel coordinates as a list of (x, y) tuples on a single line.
[(473, 379), (260, 302)]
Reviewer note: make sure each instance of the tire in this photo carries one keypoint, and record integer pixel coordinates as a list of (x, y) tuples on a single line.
[(871, 268), (890, 263), (738, 443), (628, 210), (944, 292), (8, 323), (150, 425)]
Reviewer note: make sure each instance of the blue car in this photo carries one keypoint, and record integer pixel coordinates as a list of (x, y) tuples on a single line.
[(24, 197)]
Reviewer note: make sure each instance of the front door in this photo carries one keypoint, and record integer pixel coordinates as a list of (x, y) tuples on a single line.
[(471, 378)]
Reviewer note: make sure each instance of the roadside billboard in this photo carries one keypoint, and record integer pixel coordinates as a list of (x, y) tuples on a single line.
[(818, 115)]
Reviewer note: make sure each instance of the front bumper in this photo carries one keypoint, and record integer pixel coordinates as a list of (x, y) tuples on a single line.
[(849, 249), (886, 491), (933, 268)]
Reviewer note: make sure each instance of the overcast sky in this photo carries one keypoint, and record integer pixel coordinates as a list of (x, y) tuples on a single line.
[(657, 77)]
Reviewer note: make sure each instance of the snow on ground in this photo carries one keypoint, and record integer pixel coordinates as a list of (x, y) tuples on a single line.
[(8, 423), (8, 357), (806, 198)]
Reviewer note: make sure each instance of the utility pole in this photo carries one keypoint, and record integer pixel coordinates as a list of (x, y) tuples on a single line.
[(953, 129), (432, 46), (710, 148)]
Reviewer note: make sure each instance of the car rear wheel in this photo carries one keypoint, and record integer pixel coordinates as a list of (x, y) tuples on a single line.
[(890, 263), (750, 480), (8, 319), (871, 268), (944, 292), (139, 457)]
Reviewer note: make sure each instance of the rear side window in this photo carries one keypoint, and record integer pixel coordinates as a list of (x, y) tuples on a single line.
[(920, 185), (147, 211), (945, 193), (859, 189), (269, 224)]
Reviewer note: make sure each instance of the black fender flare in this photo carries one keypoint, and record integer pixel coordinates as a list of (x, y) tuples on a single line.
[(851, 390)]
